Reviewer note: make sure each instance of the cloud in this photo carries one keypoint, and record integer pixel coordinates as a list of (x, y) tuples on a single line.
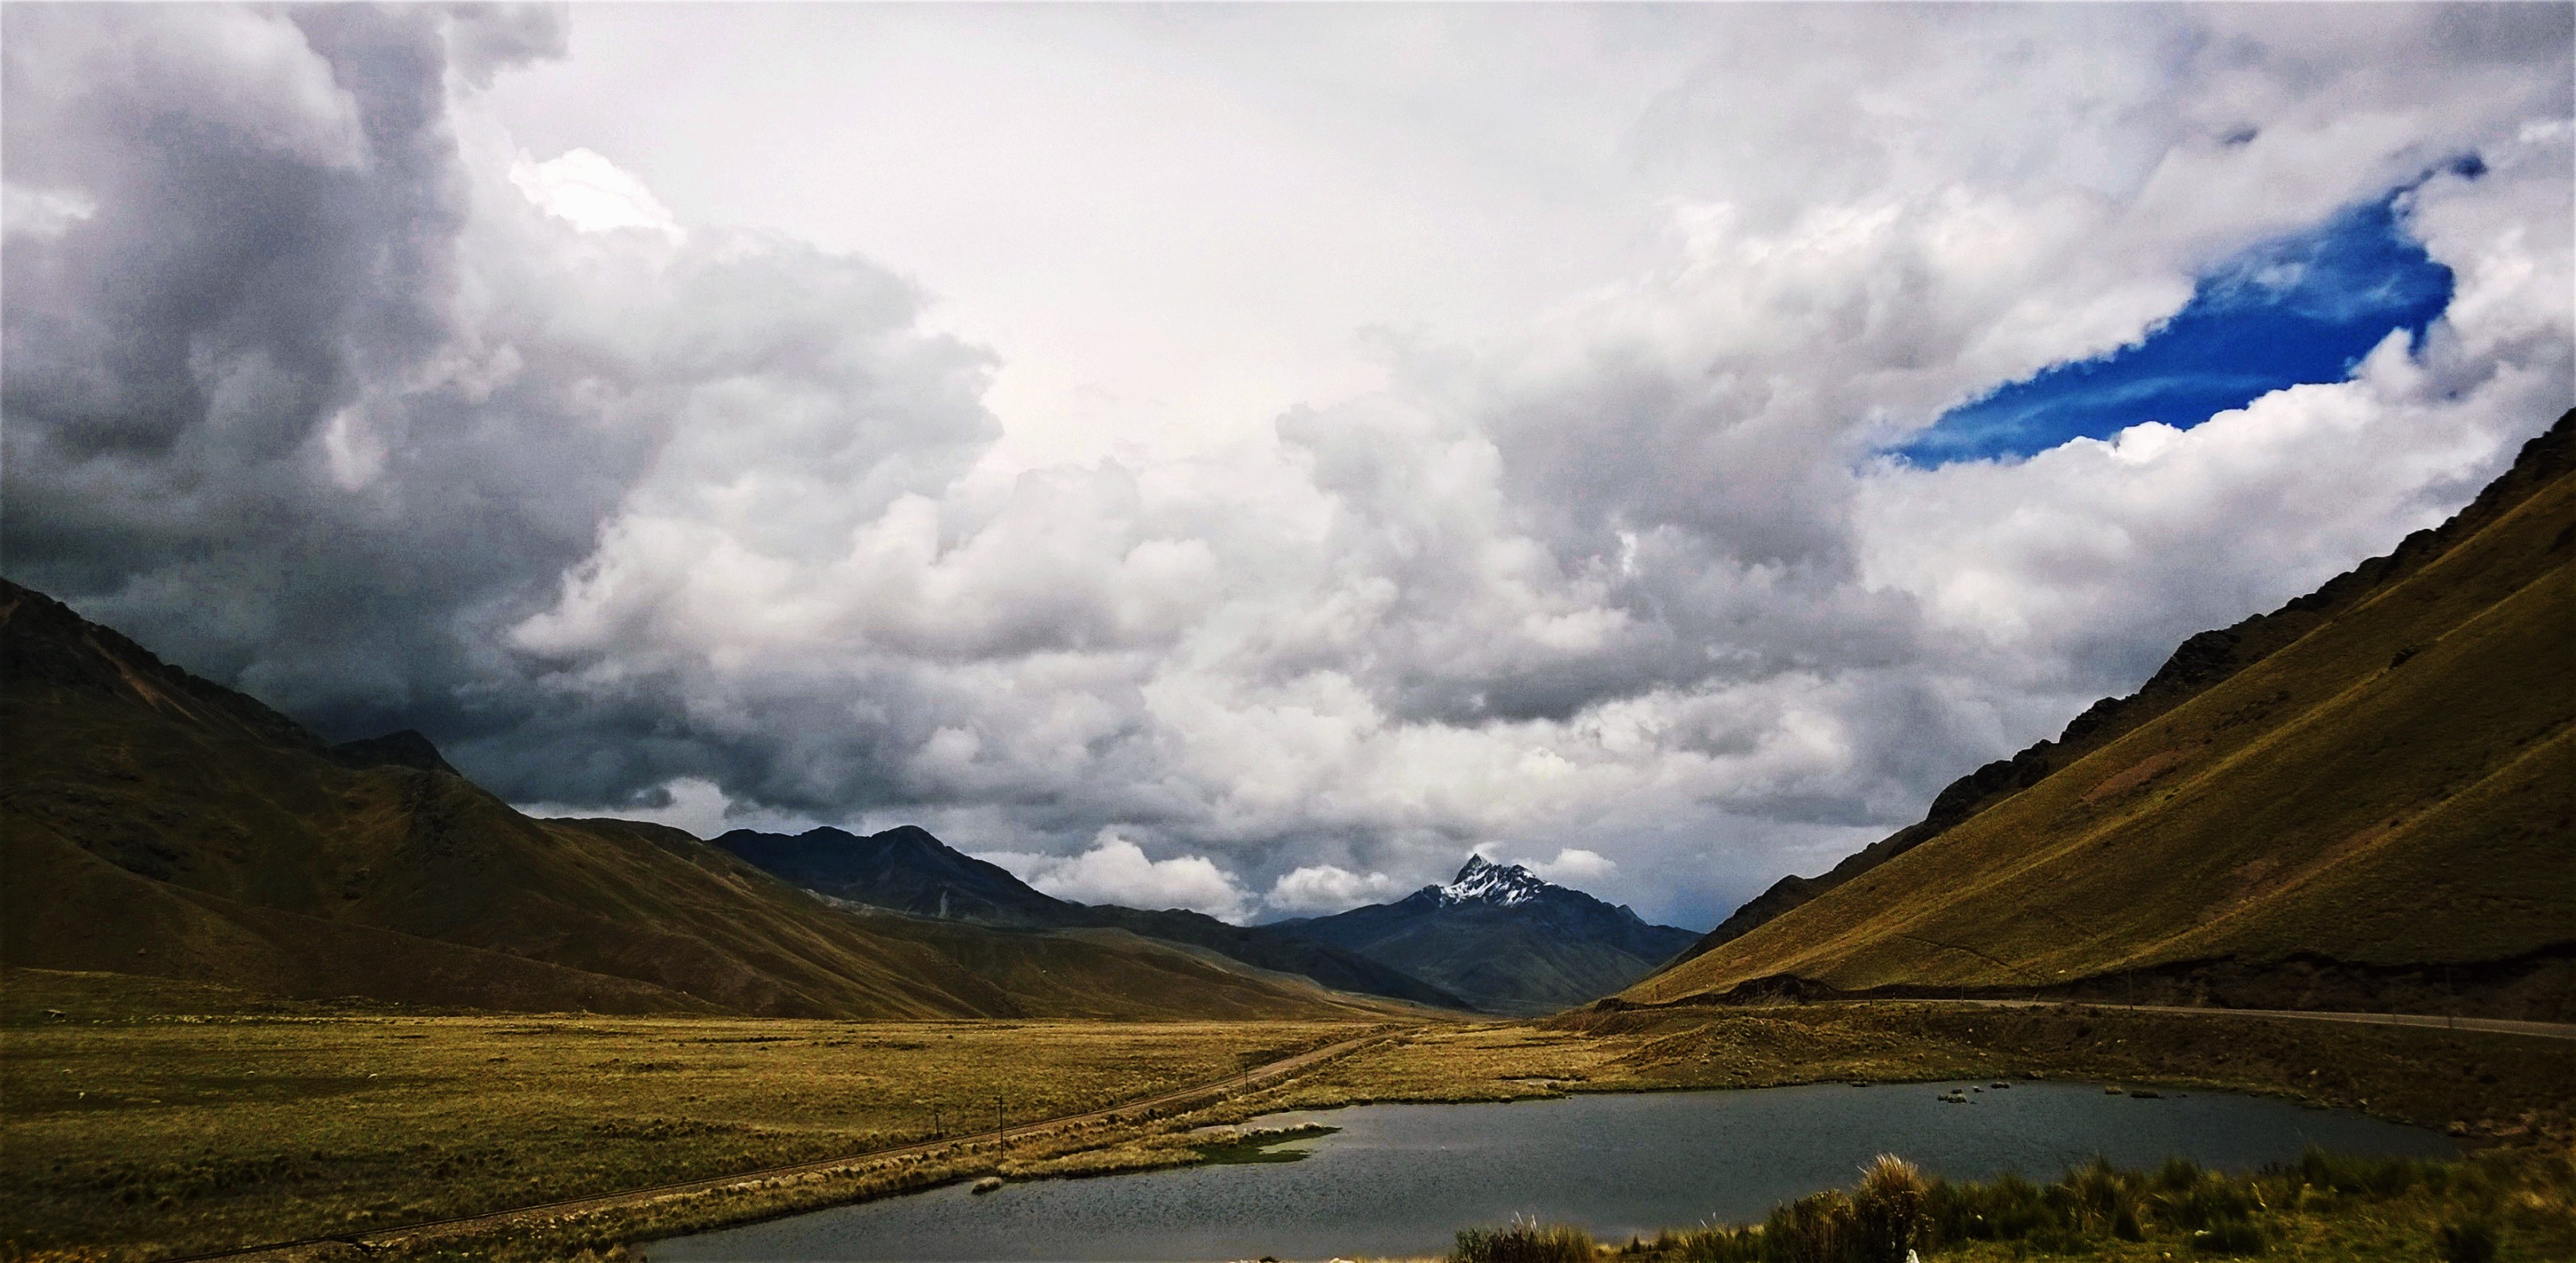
[(1317, 889), (592, 194), (1573, 866), (1118, 871), (326, 382)]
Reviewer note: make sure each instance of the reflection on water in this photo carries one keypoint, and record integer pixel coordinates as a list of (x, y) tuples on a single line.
[(1402, 1179)]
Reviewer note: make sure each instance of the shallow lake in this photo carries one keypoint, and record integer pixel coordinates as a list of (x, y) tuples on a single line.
[(1402, 1179)]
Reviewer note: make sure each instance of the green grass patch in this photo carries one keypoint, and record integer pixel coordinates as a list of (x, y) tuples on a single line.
[(1261, 1144)]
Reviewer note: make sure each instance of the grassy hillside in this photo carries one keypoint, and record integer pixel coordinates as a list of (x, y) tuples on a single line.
[(153, 823), (2388, 794)]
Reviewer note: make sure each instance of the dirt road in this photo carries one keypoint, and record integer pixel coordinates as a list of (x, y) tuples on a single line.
[(2488, 1025), (1255, 1077)]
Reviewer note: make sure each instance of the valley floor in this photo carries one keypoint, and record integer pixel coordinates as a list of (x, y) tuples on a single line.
[(147, 1121)]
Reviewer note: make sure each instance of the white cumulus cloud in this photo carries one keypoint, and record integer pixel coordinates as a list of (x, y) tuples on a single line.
[(1573, 866), (1118, 871), (592, 194), (1316, 889)]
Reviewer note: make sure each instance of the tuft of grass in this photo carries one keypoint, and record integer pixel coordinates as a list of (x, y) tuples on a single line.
[(2209, 1201), (1524, 1240), (2007, 1208), (2100, 1198), (1887, 1210)]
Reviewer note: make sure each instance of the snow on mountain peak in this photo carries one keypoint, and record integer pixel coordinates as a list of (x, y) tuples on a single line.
[(1503, 885)]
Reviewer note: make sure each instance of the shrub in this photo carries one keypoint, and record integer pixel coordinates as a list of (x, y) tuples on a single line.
[(1524, 1241)]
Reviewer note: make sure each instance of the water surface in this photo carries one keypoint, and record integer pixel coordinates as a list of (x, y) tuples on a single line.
[(1402, 1179)]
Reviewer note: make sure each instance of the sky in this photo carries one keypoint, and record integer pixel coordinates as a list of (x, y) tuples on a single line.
[(1248, 458)]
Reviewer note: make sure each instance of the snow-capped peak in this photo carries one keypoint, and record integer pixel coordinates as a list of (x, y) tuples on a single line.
[(1503, 885)]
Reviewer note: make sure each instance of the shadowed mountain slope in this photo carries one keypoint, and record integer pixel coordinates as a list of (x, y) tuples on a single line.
[(905, 869), (2365, 798), (154, 823), (1503, 940), (909, 870)]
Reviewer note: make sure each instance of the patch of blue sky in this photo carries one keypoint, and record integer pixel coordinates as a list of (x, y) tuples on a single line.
[(2304, 308)]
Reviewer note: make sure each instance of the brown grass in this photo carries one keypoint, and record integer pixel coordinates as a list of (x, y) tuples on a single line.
[(162, 1135)]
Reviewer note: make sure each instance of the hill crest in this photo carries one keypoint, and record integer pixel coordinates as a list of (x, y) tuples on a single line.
[(2361, 799)]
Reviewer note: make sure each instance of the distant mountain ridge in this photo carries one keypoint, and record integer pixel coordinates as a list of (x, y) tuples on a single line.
[(155, 823), (1496, 938), (2364, 799), (1504, 939), (906, 869)]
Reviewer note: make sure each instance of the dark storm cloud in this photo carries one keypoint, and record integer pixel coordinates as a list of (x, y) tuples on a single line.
[(260, 416), (276, 201)]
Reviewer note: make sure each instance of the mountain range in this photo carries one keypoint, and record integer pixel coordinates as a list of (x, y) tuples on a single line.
[(154, 823), (1504, 940), (1497, 939), (908, 870), (2363, 799)]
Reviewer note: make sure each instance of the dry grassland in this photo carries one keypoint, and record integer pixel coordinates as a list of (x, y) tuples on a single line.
[(142, 1137), (165, 1135)]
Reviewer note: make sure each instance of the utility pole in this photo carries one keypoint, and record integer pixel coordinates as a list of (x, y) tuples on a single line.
[(1000, 1132)]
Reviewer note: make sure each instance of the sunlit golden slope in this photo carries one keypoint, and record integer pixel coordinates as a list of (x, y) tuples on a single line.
[(153, 823), (2378, 810)]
